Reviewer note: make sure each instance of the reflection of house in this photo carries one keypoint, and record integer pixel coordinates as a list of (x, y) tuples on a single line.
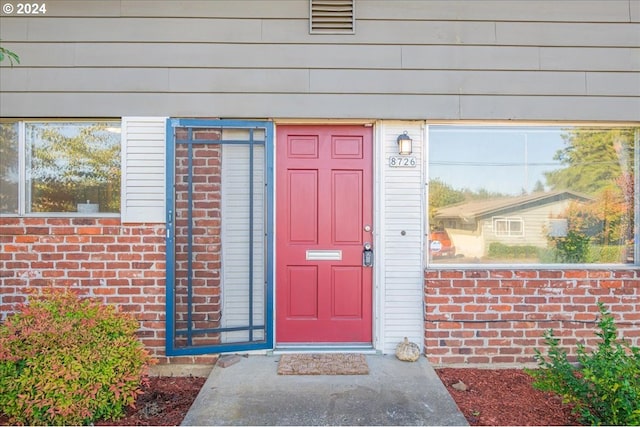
[(517, 220)]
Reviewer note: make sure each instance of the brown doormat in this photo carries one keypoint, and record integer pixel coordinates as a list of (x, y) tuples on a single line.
[(323, 364)]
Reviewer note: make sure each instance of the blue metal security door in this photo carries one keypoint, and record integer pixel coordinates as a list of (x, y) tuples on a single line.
[(219, 236)]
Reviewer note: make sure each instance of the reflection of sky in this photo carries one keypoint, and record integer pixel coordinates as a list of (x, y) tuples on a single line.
[(497, 159)]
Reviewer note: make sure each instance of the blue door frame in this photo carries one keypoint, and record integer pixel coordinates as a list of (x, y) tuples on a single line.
[(187, 334)]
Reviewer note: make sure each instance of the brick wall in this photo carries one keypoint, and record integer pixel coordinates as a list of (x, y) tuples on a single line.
[(199, 253), (471, 316), (499, 316), (122, 264)]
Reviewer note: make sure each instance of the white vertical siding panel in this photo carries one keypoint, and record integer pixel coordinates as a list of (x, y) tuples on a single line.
[(402, 196), (235, 240), (143, 168)]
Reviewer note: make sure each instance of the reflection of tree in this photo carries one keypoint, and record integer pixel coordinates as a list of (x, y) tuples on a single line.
[(599, 162), (9, 168), (440, 195), (593, 159), (72, 167)]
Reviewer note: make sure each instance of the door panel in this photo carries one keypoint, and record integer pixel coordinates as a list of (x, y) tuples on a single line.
[(302, 292), (324, 201), (303, 208), (347, 292), (347, 209)]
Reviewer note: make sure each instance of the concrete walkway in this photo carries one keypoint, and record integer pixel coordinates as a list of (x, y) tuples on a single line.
[(251, 392)]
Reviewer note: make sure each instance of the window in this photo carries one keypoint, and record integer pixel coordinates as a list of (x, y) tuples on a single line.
[(69, 167), (534, 195), (508, 227)]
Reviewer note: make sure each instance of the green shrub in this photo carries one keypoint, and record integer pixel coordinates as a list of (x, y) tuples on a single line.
[(604, 385), (500, 250), (572, 248), (67, 360)]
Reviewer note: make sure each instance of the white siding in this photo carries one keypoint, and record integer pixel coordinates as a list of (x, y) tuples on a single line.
[(143, 168), (402, 218), (235, 239)]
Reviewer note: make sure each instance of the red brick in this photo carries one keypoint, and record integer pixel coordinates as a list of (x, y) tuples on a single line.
[(451, 274), (512, 283), (488, 283), (67, 265), (611, 283), (476, 274), (537, 284), (52, 273), (129, 291), (526, 274), (547, 274), (37, 230), (575, 274), (450, 308), (12, 230), (78, 239), (93, 248), (26, 239), (431, 274), (76, 256), (501, 273), (549, 308), (503, 359), (103, 274), (145, 282)]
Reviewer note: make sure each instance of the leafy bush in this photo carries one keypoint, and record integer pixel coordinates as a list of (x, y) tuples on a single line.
[(67, 360), (572, 248), (604, 386)]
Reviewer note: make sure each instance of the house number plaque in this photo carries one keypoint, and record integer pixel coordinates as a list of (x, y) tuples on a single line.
[(403, 162)]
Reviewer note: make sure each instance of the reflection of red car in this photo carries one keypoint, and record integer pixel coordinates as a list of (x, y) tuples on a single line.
[(440, 245)]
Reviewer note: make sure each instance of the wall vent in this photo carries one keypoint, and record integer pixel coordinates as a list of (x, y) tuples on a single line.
[(332, 16)]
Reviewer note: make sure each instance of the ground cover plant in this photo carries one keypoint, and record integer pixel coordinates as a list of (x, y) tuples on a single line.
[(69, 360), (604, 385)]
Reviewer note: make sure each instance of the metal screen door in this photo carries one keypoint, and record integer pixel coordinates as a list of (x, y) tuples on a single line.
[(219, 236)]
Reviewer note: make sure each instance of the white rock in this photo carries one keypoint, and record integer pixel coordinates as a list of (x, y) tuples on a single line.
[(408, 351)]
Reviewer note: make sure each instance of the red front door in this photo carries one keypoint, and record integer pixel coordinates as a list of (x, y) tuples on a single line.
[(324, 218)]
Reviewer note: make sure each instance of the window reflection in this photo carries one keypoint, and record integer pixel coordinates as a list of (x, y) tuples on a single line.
[(531, 194), (9, 173), (73, 167)]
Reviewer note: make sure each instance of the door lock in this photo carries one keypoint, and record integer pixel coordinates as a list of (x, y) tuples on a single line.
[(367, 255)]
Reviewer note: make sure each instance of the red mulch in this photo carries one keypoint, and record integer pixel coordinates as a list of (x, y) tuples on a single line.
[(504, 397), (165, 402)]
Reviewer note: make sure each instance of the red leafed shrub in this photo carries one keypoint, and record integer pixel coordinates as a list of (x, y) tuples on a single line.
[(67, 360)]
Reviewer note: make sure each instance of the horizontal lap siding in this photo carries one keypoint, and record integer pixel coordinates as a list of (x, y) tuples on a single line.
[(407, 60)]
